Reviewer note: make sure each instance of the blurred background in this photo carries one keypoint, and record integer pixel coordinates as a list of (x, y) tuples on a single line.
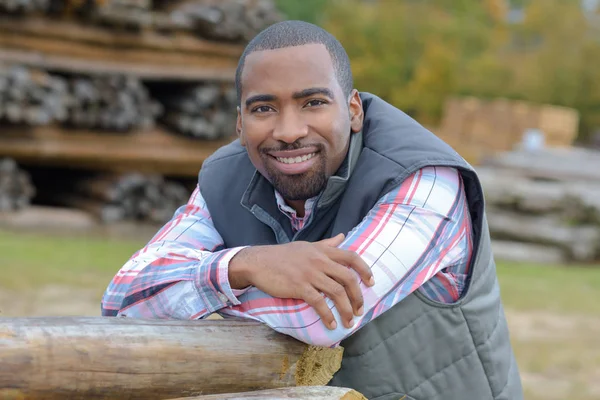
[(109, 107)]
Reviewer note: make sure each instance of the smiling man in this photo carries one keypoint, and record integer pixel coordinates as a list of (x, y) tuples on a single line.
[(335, 218)]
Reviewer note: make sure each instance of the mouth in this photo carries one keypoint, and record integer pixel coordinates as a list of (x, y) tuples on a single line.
[(294, 162)]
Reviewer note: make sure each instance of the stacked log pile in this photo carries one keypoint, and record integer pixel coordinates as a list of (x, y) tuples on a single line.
[(113, 197), (544, 206), (16, 189), (132, 94), (202, 111)]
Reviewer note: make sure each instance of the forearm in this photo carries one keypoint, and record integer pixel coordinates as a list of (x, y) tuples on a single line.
[(174, 282)]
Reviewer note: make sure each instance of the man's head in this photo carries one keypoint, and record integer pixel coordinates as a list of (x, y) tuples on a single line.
[(297, 106)]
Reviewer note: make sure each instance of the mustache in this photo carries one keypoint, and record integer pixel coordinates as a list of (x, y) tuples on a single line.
[(291, 146)]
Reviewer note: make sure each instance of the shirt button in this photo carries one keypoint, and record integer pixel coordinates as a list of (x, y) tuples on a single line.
[(223, 298)]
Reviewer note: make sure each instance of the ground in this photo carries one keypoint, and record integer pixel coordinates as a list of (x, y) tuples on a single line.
[(553, 311)]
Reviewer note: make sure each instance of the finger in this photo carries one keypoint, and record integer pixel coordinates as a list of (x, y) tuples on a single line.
[(354, 261), (334, 241), (337, 293), (348, 278), (316, 300)]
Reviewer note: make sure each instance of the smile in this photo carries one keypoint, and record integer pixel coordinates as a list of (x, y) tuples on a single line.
[(295, 160)]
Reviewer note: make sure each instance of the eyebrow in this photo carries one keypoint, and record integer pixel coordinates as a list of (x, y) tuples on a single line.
[(259, 97), (312, 91), (296, 95)]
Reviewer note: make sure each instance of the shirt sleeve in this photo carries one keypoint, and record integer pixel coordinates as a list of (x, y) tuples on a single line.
[(412, 233), (182, 273)]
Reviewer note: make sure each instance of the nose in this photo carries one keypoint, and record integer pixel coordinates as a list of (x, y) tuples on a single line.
[(290, 127)]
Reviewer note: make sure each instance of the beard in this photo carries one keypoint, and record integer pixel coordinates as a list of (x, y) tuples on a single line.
[(300, 186)]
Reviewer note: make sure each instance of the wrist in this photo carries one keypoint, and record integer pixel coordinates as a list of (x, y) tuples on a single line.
[(240, 269)]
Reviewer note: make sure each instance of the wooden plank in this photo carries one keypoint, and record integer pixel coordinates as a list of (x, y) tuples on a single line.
[(309, 392), (121, 358), (69, 30), (161, 70), (154, 151)]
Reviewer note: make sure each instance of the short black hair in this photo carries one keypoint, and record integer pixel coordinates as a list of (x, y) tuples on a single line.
[(297, 33)]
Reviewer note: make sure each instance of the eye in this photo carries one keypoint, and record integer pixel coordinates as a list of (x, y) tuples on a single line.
[(315, 103), (262, 109)]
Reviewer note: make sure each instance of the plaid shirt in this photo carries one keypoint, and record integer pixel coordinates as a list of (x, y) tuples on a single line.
[(418, 236)]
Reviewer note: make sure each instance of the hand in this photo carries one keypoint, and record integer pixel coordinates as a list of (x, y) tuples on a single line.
[(304, 270)]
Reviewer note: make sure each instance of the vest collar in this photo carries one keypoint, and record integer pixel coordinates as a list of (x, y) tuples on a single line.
[(260, 191)]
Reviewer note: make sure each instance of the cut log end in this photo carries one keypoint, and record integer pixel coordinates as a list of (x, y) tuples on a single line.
[(317, 365)]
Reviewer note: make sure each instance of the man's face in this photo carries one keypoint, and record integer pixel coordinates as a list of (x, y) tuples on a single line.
[(294, 119)]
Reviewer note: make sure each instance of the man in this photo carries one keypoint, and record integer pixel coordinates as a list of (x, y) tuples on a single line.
[(335, 218)]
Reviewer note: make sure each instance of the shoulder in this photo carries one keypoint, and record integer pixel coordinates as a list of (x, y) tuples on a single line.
[(437, 189)]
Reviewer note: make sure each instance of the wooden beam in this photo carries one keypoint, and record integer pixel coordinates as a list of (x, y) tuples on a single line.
[(146, 71), (154, 151), (308, 392), (70, 47), (94, 35), (121, 358)]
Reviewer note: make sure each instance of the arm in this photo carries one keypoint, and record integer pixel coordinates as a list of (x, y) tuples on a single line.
[(411, 234), (180, 274)]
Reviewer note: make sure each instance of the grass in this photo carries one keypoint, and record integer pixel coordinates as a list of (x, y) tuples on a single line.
[(31, 260), (553, 311)]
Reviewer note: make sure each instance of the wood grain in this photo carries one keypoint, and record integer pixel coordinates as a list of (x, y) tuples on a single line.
[(120, 358)]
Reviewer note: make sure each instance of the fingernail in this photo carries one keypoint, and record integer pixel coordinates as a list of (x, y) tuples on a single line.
[(350, 324), (361, 310), (371, 281), (333, 325)]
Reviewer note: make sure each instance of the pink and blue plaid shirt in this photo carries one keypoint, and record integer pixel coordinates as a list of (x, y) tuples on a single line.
[(417, 237)]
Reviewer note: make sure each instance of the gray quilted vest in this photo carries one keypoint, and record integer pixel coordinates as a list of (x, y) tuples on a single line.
[(419, 349)]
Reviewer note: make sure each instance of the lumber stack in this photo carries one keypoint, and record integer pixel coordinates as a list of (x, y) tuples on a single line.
[(122, 87), (16, 189), (477, 128), (123, 358), (205, 111), (544, 205), (113, 197)]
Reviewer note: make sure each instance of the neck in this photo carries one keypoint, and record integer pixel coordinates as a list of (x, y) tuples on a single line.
[(297, 205)]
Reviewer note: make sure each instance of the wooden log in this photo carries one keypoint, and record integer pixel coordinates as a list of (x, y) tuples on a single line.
[(581, 242), (32, 97), (564, 164), (308, 392), (528, 253), (121, 358), (235, 21), (204, 111)]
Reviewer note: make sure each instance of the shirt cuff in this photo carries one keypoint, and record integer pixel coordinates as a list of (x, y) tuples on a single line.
[(212, 280)]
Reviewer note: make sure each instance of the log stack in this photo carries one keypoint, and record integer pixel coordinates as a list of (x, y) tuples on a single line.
[(544, 205), (122, 87), (113, 198), (204, 111)]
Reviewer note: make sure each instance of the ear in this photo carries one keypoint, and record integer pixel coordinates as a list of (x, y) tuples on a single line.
[(238, 127), (356, 111)]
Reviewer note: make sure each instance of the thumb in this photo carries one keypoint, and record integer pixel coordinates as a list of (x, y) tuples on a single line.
[(334, 241)]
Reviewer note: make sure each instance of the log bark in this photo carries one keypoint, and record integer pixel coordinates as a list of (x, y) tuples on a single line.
[(120, 358), (309, 392)]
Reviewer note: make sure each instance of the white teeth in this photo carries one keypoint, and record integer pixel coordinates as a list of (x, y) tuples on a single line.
[(293, 160)]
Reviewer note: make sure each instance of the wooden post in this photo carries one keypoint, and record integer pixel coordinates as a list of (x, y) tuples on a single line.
[(121, 358), (308, 392)]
